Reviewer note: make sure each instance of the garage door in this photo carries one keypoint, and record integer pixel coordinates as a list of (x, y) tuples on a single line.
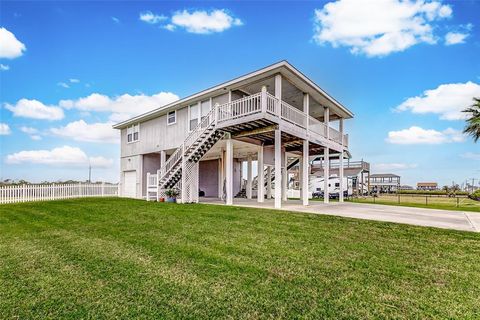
[(130, 184)]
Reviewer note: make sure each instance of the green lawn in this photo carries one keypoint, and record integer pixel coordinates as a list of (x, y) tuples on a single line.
[(121, 258), (422, 201)]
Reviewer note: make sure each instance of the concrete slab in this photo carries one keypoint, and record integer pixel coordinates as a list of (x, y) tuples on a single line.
[(447, 219)]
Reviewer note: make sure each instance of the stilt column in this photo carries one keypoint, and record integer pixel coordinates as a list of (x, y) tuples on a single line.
[(229, 171), (249, 177), (305, 173), (278, 168), (260, 177)]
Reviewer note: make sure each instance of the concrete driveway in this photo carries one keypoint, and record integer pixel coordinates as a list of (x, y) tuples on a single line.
[(447, 219)]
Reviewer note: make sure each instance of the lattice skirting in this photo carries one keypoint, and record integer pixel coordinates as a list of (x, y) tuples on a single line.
[(189, 182)]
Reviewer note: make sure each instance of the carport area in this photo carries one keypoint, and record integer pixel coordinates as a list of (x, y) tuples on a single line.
[(447, 219)]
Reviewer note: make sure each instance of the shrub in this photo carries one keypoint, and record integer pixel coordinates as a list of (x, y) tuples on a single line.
[(172, 193), (475, 195)]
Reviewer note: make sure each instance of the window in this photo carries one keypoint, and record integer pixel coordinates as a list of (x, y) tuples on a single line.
[(205, 108), (337, 184), (133, 133), (172, 117), (194, 113)]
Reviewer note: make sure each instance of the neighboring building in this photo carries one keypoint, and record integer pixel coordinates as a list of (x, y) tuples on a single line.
[(197, 144), (429, 186), (384, 182), (405, 187)]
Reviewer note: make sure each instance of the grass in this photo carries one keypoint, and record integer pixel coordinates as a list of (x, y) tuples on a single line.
[(422, 201), (123, 258)]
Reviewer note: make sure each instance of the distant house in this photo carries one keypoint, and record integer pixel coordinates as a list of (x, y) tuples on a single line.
[(405, 187), (429, 186), (384, 182)]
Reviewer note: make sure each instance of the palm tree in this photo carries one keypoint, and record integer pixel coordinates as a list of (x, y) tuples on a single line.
[(473, 121)]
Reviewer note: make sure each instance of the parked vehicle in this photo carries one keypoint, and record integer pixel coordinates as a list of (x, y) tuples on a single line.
[(317, 185)]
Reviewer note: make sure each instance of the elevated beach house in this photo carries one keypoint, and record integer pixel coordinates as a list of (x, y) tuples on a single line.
[(275, 117)]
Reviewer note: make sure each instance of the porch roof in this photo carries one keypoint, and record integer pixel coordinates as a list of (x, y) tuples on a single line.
[(282, 67)]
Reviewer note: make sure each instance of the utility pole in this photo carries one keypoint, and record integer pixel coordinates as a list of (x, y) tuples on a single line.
[(89, 173)]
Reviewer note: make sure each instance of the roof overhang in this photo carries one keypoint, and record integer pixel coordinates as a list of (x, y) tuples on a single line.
[(283, 67)]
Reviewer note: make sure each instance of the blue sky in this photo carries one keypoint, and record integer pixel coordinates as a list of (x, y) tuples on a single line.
[(71, 69)]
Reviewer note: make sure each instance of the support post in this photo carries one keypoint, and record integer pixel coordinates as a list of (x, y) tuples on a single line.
[(260, 177), (221, 176), (163, 158), (278, 94), (263, 99), (305, 173), (300, 177), (183, 179), (306, 109), (326, 174), (229, 171), (148, 181), (284, 180), (158, 184), (249, 177), (269, 182), (278, 168), (340, 173), (340, 195), (326, 121)]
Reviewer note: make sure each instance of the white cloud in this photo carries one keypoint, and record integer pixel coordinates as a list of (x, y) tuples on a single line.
[(4, 67), (122, 107), (455, 38), (36, 137), (169, 27), (64, 156), (63, 84), (378, 28), (4, 129), (115, 19), (151, 18), (471, 155), (73, 80), (393, 166), (204, 22), (10, 47), (35, 109), (82, 131), (417, 135), (198, 21), (28, 130), (32, 132), (447, 100)]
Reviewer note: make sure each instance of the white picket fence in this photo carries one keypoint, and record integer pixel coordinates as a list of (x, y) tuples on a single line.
[(42, 192)]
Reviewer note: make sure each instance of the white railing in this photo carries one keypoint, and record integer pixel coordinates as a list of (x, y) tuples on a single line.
[(335, 135), (172, 161), (200, 128), (293, 115), (240, 108), (256, 103), (42, 192), (317, 127), (272, 104), (152, 180)]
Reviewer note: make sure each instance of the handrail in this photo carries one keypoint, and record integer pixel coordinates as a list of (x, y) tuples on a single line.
[(317, 126), (200, 128), (172, 161), (250, 105), (272, 103), (240, 107)]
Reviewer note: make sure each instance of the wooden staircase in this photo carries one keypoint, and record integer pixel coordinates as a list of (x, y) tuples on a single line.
[(198, 142)]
